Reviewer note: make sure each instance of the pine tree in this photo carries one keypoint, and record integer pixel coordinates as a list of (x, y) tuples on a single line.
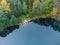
[(25, 7), (47, 7), (36, 7), (3, 17), (13, 20), (20, 7)]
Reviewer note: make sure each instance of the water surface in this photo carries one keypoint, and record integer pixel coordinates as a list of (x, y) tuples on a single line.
[(32, 34)]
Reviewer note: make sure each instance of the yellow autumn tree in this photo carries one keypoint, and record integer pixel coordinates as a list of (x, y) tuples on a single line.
[(5, 6)]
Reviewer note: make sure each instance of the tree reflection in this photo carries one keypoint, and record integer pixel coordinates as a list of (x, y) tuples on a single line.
[(49, 22), (41, 21), (8, 30)]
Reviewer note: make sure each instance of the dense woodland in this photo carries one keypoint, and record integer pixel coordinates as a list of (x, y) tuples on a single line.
[(13, 12)]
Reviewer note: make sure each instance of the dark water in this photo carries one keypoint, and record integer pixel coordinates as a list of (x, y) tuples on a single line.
[(49, 22), (37, 32)]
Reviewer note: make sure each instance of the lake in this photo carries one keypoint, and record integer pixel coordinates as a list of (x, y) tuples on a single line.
[(37, 32)]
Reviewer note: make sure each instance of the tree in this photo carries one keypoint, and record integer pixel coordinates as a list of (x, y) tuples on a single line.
[(3, 18), (13, 20), (20, 7), (47, 7), (22, 18), (25, 7), (36, 7)]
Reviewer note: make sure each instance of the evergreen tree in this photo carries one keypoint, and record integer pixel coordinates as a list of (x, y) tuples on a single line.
[(20, 7), (25, 7), (13, 20), (3, 17), (47, 7), (36, 7)]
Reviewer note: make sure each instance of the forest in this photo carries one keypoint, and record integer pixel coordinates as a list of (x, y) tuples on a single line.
[(14, 12)]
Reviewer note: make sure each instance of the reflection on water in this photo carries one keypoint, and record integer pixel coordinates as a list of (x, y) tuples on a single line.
[(32, 34), (49, 22), (45, 22), (8, 30)]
